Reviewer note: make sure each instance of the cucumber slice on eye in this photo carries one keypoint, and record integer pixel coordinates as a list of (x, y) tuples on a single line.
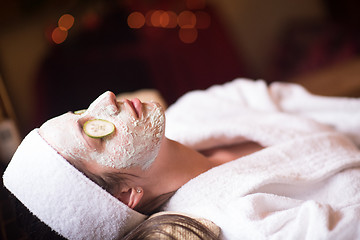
[(98, 128), (78, 112)]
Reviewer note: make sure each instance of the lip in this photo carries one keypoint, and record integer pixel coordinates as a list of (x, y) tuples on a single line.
[(134, 106), (137, 104)]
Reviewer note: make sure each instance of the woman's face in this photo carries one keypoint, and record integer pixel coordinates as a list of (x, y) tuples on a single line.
[(139, 129)]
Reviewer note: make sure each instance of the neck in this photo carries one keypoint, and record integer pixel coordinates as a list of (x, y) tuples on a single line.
[(186, 163), (175, 165)]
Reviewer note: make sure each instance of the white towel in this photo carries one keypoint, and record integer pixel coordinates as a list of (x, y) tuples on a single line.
[(246, 109), (64, 198), (304, 185)]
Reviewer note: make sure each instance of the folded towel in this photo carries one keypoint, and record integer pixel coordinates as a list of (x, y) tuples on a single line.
[(64, 198)]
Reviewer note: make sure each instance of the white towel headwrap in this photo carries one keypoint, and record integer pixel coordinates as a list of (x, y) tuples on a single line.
[(64, 198)]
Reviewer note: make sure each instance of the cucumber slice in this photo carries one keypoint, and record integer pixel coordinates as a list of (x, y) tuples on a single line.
[(98, 128), (78, 112)]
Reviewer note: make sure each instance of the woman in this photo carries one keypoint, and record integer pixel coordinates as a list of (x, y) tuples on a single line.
[(144, 174), (136, 164), (137, 150)]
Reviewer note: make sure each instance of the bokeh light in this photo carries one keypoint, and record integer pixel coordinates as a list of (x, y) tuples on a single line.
[(156, 18), (66, 21), (186, 19), (136, 20), (59, 35), (148, 18), (188, 35), (168, 19), (164, 19)]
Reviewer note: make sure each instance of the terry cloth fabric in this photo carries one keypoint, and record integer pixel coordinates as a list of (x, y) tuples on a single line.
[(62, 197), (250, 110), (304, 185)]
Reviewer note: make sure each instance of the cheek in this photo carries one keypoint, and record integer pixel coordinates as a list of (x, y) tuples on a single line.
[(135, 143), (137, 146), (147, 139), (120, 148), (117, 150)]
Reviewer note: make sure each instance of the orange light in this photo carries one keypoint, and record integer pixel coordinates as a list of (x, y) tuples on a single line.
[(148, 18), (186, 19), (195, 4), (136, 20), (203, 20), (164, 19), (188, 35), (66, 21), (168, 19), (59, 35), (156, 18)]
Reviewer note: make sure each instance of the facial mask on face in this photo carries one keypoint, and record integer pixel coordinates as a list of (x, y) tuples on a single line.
[(135, 142), (140, 141)]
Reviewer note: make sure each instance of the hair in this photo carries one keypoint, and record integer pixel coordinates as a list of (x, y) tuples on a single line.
[(109, 181), (171, 227), (113, 181)]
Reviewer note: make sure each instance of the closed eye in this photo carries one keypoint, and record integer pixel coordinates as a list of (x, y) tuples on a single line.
[(91, 143)]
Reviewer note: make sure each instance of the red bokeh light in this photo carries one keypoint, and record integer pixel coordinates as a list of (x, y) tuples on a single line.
[(188, 35), (59, 35), (136, 20), (186, 19), (66, 21)]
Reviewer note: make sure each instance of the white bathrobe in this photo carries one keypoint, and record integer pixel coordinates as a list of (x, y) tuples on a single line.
[(304, 185)]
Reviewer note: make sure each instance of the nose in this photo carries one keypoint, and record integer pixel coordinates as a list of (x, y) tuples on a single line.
[(107, 101)]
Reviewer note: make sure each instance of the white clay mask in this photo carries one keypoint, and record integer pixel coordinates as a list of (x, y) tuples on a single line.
[(135, 141)]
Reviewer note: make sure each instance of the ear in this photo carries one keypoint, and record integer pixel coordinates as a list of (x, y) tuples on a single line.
[(131, 196)]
